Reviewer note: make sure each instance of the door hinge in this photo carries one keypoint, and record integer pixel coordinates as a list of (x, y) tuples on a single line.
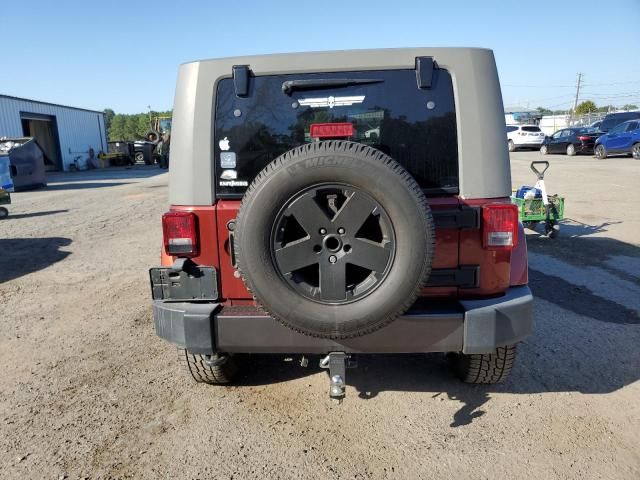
[(462, 218)]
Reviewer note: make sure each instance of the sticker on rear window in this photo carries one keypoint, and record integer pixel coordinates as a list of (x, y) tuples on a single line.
[(224, 144), (228, 159), (233, 183), (229, 175), (331, 101)]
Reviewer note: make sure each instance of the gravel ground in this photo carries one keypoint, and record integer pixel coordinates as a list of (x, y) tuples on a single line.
[(88, 390)]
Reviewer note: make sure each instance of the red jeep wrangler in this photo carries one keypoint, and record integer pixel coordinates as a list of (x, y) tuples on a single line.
[(337, 203)]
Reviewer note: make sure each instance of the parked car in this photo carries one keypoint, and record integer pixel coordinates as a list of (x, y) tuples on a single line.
[(300, 232), (571, 141), (613, 119), (524, 136), (623, 138)]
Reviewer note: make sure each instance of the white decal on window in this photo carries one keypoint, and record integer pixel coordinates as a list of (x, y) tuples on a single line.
[(224, 144), (331, 101), (233, 183), (229, 175), (228, 159)]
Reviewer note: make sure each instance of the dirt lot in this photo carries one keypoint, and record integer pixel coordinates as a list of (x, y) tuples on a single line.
[(87, 390)]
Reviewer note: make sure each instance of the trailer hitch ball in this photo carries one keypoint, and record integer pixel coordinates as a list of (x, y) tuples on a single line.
[(337, 389), (337, 363)]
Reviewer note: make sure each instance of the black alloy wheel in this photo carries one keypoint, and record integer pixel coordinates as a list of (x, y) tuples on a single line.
[(333, 243)]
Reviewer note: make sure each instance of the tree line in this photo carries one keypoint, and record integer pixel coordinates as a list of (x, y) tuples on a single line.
[(120, 126), (587, 107)]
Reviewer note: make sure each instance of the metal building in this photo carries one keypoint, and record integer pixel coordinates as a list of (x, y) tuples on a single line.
[(65, 134)]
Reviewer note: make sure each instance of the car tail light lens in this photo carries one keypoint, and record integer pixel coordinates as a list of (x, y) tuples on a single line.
[(499, 226), (331, 130), (180, 231)]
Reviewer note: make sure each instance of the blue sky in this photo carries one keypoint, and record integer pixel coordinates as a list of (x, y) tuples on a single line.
[(124, 55)]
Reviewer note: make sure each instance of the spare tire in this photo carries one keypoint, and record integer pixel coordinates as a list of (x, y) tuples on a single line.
[(334, 239), (152, 136)]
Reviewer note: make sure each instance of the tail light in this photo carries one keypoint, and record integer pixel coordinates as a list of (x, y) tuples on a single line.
[(584, 138), (499, 226), (180, 231)]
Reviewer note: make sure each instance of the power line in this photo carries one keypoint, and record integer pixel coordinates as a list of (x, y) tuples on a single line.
[(542, 100), (538, 86), (571, 86), (609, 84)]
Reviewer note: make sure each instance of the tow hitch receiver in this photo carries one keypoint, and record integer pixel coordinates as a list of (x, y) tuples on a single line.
[(337, 363)]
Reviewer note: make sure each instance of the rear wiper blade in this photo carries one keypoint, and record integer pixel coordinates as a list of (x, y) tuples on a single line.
[(317, 83)]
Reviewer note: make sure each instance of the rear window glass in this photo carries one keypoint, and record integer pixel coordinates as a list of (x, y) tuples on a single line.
[(415, 127), (531, 129)]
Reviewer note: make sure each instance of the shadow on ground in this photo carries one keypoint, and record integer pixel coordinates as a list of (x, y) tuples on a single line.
[(574, 228), (579, 299), (568, 352), (576, 245), (80, 186), (21, 256), (115, 173), (34, 214), (552, 360)]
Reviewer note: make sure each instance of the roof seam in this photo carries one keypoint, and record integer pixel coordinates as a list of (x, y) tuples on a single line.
[(11, 97)]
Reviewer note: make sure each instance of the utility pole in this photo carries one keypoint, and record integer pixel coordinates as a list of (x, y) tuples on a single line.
[(575, 104)]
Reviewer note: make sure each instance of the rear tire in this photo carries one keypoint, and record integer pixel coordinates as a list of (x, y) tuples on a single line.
[(4, 213), (571, 150), (152, 136), (635, 151), (485, 367), (601, 152), (197, 366), (512, 146)]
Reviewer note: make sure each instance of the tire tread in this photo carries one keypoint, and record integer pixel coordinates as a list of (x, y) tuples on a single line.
[(201, 372), (487, 368)]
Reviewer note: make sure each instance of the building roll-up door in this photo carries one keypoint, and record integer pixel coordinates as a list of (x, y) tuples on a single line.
[(45, 131)]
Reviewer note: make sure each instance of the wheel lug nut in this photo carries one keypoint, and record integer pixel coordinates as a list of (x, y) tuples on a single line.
[(341, 231), (323, 231), (333, 259)]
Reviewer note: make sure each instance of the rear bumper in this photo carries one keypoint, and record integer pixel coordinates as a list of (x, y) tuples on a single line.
[(470, 326), (585, 148)]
